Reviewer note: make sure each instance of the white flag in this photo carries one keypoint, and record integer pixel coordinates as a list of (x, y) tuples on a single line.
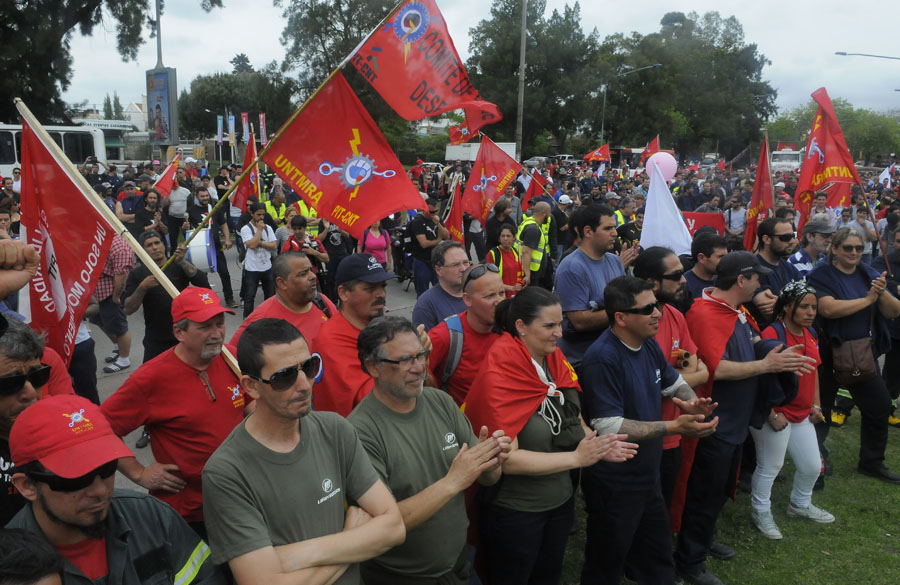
[(663, 224), (886, 174)]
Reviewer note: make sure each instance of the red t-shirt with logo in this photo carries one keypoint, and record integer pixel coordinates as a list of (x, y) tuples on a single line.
[(671, 336), (344, 383), (475, 348), (307, 323), (800, 406), (89, 556), (186, 418)]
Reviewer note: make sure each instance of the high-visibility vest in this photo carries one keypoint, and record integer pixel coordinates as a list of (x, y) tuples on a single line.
[(537, 254), (312, 227), (276, 214), (497, 257)]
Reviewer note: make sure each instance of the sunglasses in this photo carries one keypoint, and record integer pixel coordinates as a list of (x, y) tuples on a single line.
[(74, 484), (673, 276), (645, 310), (849, 248), (407, 362), (10, 385), (286, 377), (478, 272), (786, 237)]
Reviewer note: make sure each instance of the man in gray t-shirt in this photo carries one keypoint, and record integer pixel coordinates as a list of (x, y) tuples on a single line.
[(274, 492), (423, 447)]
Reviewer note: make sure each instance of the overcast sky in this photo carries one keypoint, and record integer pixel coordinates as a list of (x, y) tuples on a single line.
[(800, 37)]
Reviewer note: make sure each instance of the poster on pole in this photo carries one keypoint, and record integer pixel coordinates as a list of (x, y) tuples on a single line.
[(263, 137), (220, 123), (245, 120), (162, 106), (231, 141)]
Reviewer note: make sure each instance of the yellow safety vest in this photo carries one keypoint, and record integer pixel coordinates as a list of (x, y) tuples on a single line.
[(497, 256), (276, 214), (312, 227), (537, 254)]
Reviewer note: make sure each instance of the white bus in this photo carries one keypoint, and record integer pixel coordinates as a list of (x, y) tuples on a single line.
[(78, 142)]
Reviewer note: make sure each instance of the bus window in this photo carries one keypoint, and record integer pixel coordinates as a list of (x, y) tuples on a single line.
[(78, 146), (7, 152), (57, 138)]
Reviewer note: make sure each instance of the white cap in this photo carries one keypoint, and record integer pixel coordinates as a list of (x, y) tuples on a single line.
[(779, 184), (190, 159), (565, 200)]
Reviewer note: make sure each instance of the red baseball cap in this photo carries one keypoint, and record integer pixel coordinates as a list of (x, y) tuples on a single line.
[(197, 304), (67, 433)]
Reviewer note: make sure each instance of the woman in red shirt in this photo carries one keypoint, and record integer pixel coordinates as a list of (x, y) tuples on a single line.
[(506, 258), (790, 427)]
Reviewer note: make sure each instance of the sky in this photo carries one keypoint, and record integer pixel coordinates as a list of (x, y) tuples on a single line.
[(799, 37)]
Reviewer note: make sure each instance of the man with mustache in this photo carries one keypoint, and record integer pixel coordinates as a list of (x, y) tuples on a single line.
[(188, 399)]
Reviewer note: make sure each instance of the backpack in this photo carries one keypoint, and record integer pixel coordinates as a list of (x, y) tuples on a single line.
[(319, 302), (454, 353)]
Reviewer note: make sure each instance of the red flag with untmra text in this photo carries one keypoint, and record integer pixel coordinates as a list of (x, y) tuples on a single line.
[(652, 148), (71, 237), (762, 199), (412, 62), (333, 155), (827, 159), (494, 170), (599, 154)]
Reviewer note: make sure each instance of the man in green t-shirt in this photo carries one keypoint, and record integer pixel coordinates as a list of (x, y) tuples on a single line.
[(419, 443), (274, 492)]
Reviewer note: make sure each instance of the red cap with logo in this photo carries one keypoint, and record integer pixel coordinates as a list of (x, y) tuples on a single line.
[(67, 433), (197, 304)]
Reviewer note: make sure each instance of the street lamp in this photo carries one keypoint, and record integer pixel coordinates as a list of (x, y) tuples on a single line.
[(606, 88), (846, 54)]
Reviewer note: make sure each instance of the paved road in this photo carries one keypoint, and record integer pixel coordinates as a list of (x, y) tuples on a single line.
[(399, 301)]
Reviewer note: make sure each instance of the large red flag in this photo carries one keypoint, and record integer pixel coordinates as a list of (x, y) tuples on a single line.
[(761, 200), (412, 62), (827, 159), (72, 238), (537, 185), (454, 223), (333, 155), (494, 170), (652, 148), (599, 154), (249, 187), (786, 146), (166, 181)]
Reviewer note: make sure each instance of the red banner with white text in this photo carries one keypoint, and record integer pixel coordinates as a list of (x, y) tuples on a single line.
[(695, 221), (493, 171)]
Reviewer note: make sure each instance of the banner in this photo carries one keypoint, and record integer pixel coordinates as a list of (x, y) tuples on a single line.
[(599, 154), (334, 156), (412, 62), (786, 146), (72, 238), (220, 123), (694, 221), (231, 137), (166, 181), (263, 136), (249, 187), (651, 149), (827, 159), (492, 172), (762, 199), (663, 224), (454, 222), (245, 121)]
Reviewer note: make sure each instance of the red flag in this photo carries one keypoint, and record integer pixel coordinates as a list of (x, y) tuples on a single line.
[(786, 146), (454, 223), (720, 166), (694, 221), (166, 181), (599, 154), (827, 159), (72, 238), (494, 170), (652, 148), (536, 185), (694, 167), (249, 187), (333, 155), (412, 62), (761, 200)]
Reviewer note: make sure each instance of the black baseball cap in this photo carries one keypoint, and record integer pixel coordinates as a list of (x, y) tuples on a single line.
[(737, 263), (362, 267)]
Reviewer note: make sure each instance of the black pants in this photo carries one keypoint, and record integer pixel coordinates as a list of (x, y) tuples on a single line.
[(525, 548), (711, 483), (620, 521), (83, 370), (669, 467), (891, 372), (174, 224), (480, 248), (224, 275), (250, 282)]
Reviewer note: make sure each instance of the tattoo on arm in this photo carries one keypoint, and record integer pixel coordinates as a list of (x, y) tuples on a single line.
[(684, 392), (638, 430)]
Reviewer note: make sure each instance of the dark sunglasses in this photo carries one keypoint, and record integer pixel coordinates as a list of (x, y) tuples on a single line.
[(65, 484), (645, 310), (10, 385), (673, 276), (786, 237), (849, 248), (286, 377), (478, 272)]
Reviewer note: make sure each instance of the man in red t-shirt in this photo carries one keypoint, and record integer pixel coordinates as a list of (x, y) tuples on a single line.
[(297, 299), (188, 399), (482, 292)]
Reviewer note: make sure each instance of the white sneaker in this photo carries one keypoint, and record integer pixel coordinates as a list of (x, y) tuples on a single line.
[(811, 513), (766, 524)]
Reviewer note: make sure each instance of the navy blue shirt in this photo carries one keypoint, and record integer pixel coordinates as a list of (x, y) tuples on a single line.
[(782, 273), (736, 397), (695, 284), (831, 282), (618, 381)]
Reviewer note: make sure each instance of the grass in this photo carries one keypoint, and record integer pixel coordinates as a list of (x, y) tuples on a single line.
[(862, 546)]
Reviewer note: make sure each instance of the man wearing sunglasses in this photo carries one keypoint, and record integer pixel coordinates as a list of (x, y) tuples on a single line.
[(187, 398), (67, 457), (777, 241), (275, 491), (424, 449), (450, 263), (625, 379)]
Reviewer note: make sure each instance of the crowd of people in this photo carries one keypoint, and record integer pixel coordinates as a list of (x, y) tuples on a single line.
[(549, 360)]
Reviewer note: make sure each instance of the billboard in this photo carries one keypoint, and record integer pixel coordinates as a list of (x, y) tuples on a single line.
[(162, 106)]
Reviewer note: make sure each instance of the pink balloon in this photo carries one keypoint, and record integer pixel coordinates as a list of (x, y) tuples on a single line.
[(666, 163)]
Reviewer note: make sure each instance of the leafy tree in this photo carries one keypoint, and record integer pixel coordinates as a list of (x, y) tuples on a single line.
[(118, 110), (107, 108), (34, 55), (241, 64)]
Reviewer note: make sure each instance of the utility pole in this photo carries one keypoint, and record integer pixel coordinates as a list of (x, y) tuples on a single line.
[(159, 62), (520, 112)]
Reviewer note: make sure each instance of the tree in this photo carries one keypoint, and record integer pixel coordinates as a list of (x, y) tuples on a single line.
[(34, 54), (118, 110), (241, 64), (107, 108)]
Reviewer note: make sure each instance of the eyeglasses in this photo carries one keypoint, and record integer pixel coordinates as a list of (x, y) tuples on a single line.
[(408, 361), (478, 272), (13, 384), (645, 310), (66, 484), (786, 237), (849, 248), (673, 276), (286, 377), (461, 264)]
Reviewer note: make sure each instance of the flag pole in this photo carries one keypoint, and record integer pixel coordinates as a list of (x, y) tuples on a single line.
[(109, 215)]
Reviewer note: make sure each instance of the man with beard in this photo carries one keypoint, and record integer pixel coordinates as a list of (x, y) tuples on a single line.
[(219, 222), (187, 398), (813, 247), (66, 454), (777, 241)]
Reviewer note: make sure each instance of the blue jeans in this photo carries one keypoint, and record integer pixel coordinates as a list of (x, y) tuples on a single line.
[(423, 276), (251, 281)]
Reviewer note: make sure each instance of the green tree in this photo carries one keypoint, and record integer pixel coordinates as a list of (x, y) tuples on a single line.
[(118, 110), (107, 108), (34, 52), (241, 64)]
